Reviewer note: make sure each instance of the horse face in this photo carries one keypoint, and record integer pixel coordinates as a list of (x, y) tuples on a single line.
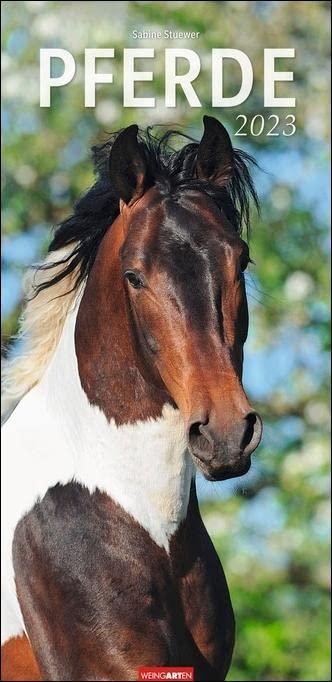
[(182, 266)]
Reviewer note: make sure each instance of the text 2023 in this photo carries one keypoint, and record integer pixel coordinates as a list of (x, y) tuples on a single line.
[(271, 126)]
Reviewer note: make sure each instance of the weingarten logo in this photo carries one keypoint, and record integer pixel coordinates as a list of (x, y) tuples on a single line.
[(166, 674)]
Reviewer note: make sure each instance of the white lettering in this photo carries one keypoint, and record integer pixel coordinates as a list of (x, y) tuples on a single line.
[(46, 80)]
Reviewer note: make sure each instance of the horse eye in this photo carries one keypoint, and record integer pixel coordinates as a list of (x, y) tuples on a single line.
[(134, 279)]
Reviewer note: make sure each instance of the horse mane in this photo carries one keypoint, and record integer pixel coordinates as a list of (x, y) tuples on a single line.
[(52, 286), (40, 328)]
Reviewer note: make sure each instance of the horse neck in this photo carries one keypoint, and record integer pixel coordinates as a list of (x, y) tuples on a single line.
[(142, 465)]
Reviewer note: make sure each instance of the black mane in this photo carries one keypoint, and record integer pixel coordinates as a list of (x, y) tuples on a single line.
[(173, 170)]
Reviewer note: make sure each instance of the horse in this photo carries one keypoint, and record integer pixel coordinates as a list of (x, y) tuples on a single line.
[(128, 380)]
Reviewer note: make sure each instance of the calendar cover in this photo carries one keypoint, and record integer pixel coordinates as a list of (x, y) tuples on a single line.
[(165, 336)]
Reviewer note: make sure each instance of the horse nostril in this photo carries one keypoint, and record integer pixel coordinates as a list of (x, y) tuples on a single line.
[(198, 432), (252, 433), (194, 430), (200, 440), (249, 429)]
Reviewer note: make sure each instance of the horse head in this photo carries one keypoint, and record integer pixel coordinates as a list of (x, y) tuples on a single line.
[(174, 262)]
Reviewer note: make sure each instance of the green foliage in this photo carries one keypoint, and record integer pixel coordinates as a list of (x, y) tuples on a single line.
[(272, 531), (280, 594)]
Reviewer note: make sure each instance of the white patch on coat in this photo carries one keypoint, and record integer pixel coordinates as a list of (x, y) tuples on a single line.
[(55, 435)]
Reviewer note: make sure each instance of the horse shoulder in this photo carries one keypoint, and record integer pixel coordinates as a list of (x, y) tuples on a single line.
[(93, 606)]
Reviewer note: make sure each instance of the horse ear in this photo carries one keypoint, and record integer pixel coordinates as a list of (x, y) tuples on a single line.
[(215, 156), (127, 165)]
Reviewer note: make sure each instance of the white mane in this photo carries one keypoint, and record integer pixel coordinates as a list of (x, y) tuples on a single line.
[(40, 329)]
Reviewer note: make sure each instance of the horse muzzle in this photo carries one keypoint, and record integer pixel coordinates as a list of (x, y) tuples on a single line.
[(224, 452)]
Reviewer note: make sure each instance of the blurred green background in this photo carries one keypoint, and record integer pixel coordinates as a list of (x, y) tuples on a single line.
[(271, 528)]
